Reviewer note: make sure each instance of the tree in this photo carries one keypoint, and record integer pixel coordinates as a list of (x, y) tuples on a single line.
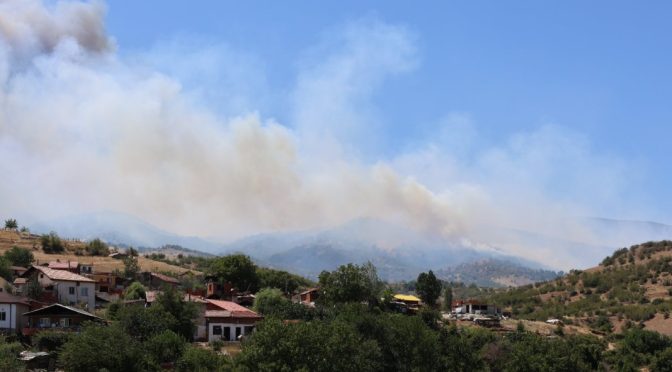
[(100, 347), (20, 256), (144, 323), (5, 270), (308, 346), (166, 347), (448, 298), (282, 280), (97, 247), (663, 361), (268, 300), (172, 302), (131, 267), (51, 243), (9, 353), (196, 359), (33, 289), (428, 288), (350, 283), (11, 224), (134, 291), (237, 269)]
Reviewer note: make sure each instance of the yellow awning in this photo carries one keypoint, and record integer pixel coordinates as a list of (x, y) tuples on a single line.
[(407, 298)]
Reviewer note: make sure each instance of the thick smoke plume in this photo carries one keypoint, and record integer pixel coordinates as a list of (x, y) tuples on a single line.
[(83, 129)]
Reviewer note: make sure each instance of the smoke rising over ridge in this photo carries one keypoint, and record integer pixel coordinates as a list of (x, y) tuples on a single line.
[(83, 128)]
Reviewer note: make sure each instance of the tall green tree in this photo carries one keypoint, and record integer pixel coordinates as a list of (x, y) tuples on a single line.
[(33, 289), (350, 283), (448, 298), (428, 288), (237, 269), (268, 300), (20, 256), (131, 267)]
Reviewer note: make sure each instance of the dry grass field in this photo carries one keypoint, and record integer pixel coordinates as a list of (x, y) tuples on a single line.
[(10, 238)]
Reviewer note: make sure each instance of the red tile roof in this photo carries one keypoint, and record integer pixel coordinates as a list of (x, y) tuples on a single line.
[(165, 278), (6, 298), (62, 275), (229, 309), (65, 265)]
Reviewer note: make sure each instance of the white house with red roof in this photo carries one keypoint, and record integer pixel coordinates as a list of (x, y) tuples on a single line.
[(228, 321), (69, 288)]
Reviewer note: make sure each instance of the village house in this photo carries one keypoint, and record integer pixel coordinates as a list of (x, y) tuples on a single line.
[(215, 289), (201, 304), (17, 270), (57, 317), (11, 311), (309, 296), (108, 282), (69, 288), (474, 307), (228, 321), (158, 281), (118, 255), (71, 266)]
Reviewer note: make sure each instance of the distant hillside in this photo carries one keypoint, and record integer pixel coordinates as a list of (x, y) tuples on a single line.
[(398, 252), (495, 273), (120, 229), (632, 286), (172, 251), (10, 238)]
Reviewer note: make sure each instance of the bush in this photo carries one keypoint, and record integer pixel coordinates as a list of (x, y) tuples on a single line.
[(166, 347), (195, 359), (96, 247), (51, 243), (51, 340)]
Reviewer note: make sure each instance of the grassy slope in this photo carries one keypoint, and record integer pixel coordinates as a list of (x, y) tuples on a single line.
[(10, 238), (633, 285)]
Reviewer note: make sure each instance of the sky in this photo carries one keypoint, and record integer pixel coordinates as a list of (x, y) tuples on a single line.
[(225, 119), (599, 69)]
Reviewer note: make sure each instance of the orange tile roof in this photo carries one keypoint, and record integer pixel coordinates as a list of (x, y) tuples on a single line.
[(62, 275), (165, 278), (230, 309)]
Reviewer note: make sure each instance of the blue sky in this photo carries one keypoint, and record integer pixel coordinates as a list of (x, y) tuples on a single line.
[(598, 68), (463, 120)]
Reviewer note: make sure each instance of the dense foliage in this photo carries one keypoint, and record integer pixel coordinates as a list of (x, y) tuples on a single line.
[(19, 256), (428, 288), (51, 243)]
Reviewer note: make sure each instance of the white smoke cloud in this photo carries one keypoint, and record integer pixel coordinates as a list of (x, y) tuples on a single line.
[(83, 129)]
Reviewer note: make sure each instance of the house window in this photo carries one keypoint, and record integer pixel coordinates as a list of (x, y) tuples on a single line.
[(238, 331), (65, 322), (227, 333), (3, 316), (216, 330), (248, 329), (85, 292), (45, 322), (71, 290)]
